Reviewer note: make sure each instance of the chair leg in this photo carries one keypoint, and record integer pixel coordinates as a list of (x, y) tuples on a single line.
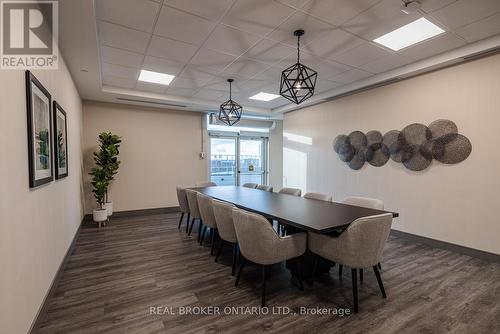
[(379, 279), (242, 264), (379, 266), (355, 289), (180, 221), (218, 250), (188, 219), (191, 228), (340, 270), (212, 241), (202, 236), (200, 228), (235, 254), (299, 271), (315, 267), (263, 301), (361, 275)]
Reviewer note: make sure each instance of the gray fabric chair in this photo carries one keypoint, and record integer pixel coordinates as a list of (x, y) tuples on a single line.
[(206, 184), (184, 206), (208, 218), (250, 185), (318, 196), (223, 213), (260, 244), (291, 191), (360, 246), (194, 210), (265, 188)]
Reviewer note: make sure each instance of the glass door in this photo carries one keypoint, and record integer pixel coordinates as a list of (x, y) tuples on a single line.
[(223, 160), (251, 162)]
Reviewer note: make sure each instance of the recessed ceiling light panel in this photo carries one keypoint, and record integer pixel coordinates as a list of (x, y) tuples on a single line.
[(156, 77), (264, 97), (412, 33)]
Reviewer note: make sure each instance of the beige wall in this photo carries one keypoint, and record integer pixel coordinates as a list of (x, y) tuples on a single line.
[(454, 203), (276, 156), (36, 226), (160, 150)]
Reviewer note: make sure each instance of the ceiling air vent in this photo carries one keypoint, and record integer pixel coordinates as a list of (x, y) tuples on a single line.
[(152, 102)]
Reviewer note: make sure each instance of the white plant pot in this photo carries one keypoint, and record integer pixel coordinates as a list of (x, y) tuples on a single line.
[(109, 207), (100, 215)]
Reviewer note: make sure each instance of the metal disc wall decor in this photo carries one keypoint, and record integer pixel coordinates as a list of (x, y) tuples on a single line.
[(415, 146)]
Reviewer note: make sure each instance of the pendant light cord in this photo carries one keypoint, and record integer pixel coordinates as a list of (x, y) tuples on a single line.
[(230, 84), (298, 49)]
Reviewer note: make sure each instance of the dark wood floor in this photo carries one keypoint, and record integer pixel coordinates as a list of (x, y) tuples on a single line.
[(117, 273)]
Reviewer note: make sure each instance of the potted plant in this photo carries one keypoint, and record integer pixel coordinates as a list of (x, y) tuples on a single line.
[(99, 187)]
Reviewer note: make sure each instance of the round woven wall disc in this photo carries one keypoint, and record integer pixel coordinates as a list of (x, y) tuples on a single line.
[(443, 127), (357, 162), (451, 151), (346, 152), (367, 152), (417, 162), (338, 141), (390, 137), (374, 139), (357, 140), (380, 156), (426, 149), (416, 134)]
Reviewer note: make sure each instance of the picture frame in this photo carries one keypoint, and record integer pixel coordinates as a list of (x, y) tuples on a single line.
[(39, 117), (60, 141)]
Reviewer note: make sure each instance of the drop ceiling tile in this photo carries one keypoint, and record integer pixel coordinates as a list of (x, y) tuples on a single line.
[(162, 65), (170, 49), (271, 74), (231, 41), (387, 63), (330, 45), (380, 19), (480, 29), (122, 38), (211, 61), (293, 3), (245, 68), (151, 87), (434, 46), (121, 57), (109, 80), (186, 83), (313, 29), (196, 76), (362, 54), (429, 6), (327, 68), (269, 52), (337, 12), (184, 92), (181, 26), (221, 84), (350, 76), (463, 12), (212, 10), (119, 71), (323, 85), (209, 94), (255, 85), (119, 11), (257, 16)]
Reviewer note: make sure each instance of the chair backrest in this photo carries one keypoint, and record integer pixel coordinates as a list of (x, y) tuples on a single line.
[(206, 210), (250, 185), (206, 184), (182, 198), (256, 237), (361, 245), (318, 196), (193, 203), (223, 213), (365, 202), (264, 187), (291, 191)]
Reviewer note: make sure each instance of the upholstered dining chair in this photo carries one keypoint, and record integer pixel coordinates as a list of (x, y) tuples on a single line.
[(265, 188), (206, 184), (260, 244), (366, 202), (184, 206), (223, 213), (360, 246), (291, 191), (318, 196), (250, 185), (194, 210), (208, 218)]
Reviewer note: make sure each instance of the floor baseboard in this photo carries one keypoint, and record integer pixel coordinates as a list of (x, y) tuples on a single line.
[(87, 219), (486, 256)]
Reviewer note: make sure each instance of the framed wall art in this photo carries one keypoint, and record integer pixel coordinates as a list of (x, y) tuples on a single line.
[(60, 142)]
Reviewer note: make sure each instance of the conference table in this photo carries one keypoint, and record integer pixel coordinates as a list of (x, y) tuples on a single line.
[(296, 213)]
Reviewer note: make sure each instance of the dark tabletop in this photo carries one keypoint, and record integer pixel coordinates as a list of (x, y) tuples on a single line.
[(307, 214)]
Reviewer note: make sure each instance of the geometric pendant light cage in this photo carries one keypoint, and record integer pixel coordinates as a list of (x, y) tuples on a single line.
[(230, 111), (298, 81)]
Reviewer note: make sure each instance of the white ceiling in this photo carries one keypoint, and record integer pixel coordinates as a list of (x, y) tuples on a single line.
[(205, 42)]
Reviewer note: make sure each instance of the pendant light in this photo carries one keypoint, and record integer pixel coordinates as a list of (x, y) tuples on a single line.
[(298, 81), (230, 111)]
